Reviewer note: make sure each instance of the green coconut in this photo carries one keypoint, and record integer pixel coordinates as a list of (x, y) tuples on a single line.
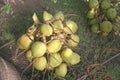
[(47, 16), (38, 49), (61, 70), (106, 26), (111, 13), (59, 15), (93, 3), (71, 27), (25, 41), (95, 28), (74, 40), (116, 28), (55, 60), (40, 63), (92, 21), (91, 13), (54, 46), (57, 26), (66, 54), (46, 29), (105, 4), (105, 34)]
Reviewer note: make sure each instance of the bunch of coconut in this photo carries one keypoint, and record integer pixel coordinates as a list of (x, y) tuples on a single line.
[(104, 17), (49, 44)]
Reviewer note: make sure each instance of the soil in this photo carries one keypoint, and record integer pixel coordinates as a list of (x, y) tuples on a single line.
[(19, 19), (20, 8)]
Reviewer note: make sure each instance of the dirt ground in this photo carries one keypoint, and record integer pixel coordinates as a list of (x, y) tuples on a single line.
[(19, 19)]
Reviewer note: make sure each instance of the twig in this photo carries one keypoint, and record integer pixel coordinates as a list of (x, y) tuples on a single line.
[(32, 73), (18, 54), (7, 44), (44, 74), (110, 59), (89, 72), (102, 72), (104, 51), (26, 69), (68, 15), (85, 76)]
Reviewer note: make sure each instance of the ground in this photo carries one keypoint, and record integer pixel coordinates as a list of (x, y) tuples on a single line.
[(90, 46)]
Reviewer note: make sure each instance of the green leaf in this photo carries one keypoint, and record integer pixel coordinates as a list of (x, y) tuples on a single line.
[(7, 8)]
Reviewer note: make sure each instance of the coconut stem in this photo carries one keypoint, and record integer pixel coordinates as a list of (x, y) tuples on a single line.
[(4, 45)]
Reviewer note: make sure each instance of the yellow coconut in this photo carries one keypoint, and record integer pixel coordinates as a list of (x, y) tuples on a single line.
[(74, 40), (61, 70), (46, 29), (55, 60), (40, 63), (29, 55), (59, 15), (57, 26), (38, 49), (25, 41), (54, 46), (71, 27), (74, 59), (66, 54), (47, 16)]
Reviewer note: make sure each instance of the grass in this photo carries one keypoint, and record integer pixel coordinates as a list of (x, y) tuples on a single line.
[(90, 44)]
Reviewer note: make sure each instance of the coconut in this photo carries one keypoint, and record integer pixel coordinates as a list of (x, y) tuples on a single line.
[(61, 36), (74, 59), (61, 71), (38, 49), (105, 4), (55, 60), (25, 41), (66, 54), (46, 29), (59, 15), (49, 67), (105, 34), (106, 26), (93, 3), (54, 46), (57, 26), (74, 40), (91, 13), (35, 18), (71, 27), (29, 55), (95, 28), (92, 21), (47, 16), (111, 13), (116, 28), (40, 63)]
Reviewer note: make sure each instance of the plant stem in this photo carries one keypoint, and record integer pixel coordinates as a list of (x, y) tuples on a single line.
[(85, 76)]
